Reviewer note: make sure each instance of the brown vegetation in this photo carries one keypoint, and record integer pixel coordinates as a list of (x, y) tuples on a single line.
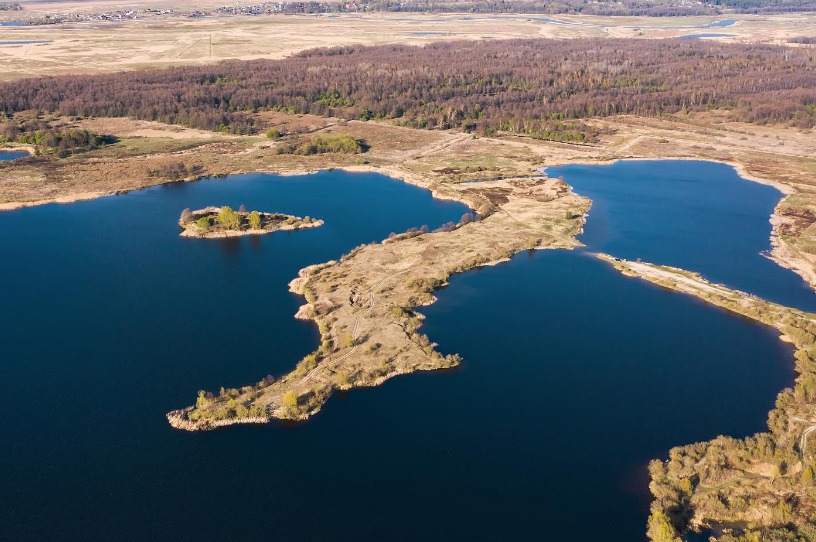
[(48, 139), (535, 87), (760, 488), (364, 303), (658, 8)]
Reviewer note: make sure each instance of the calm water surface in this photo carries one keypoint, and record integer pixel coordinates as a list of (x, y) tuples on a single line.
[(578, 376), (574, 377), (6, 156), (696, 215)]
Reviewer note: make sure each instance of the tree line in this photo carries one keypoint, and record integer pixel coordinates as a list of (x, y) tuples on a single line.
[(542, 88), (648, 8)]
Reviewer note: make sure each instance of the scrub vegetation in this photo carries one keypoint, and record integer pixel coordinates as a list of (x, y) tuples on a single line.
[(437, 116), (225, 222), (47, 139), (322, 144), (364, 304), (757, 489)]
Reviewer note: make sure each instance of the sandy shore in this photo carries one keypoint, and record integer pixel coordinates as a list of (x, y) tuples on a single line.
[(363, 304), (780, 252), (242, 233), (13, 205)]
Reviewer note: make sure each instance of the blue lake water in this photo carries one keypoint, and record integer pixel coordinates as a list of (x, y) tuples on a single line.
[(696, 215), (12, 23), (578, 376), (574, 377), (6, 156)]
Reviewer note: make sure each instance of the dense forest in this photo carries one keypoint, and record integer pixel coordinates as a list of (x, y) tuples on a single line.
[(537, 87)]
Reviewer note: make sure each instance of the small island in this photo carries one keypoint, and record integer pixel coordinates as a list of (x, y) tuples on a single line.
[(216, 222)]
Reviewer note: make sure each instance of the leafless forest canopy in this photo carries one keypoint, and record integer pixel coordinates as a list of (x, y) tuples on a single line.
[(539, 87)]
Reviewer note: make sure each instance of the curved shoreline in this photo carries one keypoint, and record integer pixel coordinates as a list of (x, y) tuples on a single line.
[(73, 198), (363, 304), (241, 233), (214, 230), (439, 190), (398, 174), (726, 469), (779, 251)]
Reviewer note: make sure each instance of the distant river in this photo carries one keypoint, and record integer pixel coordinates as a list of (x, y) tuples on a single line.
[(574, 377)]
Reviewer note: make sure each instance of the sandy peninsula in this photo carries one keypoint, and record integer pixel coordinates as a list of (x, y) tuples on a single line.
[(364, 304)]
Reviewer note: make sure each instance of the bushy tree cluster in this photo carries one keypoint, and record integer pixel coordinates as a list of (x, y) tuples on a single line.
[(59, 142), (229, 218)]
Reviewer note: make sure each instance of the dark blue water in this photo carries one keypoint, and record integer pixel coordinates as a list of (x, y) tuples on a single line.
[(574, 377), (696, 215), (6, 156), (110, 320)]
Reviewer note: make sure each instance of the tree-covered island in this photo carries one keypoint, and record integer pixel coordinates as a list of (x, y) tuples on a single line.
[(212, 222)]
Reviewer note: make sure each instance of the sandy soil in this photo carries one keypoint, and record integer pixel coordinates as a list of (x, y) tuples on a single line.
[(223, 234)]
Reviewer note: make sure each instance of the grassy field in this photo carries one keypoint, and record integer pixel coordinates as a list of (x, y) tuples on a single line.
[(171, 41)]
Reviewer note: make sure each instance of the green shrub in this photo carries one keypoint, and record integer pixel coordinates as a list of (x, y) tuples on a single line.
[(290, 400), (255, 220), (229, 218), (347, 340), (327, 143)]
